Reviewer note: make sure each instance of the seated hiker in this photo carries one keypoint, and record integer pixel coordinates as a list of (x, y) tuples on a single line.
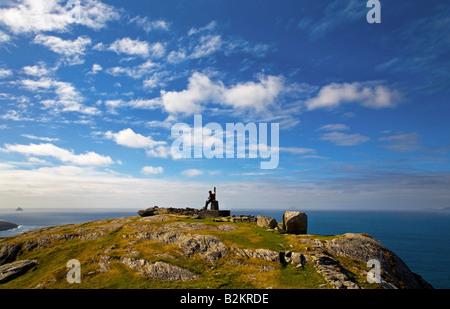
[(212, 197)]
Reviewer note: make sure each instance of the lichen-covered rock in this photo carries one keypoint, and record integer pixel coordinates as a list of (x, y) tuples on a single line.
[(264, 254), (267, 222), (8, 253), (157, 270), (15, 269)]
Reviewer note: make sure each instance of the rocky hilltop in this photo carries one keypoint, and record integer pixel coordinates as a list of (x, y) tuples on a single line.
[(173, 248)]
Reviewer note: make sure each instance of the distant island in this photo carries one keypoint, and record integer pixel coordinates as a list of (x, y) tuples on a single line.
[(19, 209), (4, 226)]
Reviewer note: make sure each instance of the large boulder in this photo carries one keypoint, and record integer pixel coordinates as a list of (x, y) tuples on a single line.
[(267, 222), (295, 222)]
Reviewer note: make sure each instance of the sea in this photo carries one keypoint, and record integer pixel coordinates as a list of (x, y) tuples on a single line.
[(420, 238)]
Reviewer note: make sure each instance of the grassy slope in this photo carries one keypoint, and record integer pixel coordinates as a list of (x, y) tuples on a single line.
[(225, 273)]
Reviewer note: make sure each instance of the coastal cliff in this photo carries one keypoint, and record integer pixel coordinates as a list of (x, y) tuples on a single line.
[(167, 249)]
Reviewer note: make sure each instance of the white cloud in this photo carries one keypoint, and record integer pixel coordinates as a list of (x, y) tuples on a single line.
[(129, 138), (137, 48), (365, 94), (255, 96), (344, 139), (4, 73), (404, 142), (297, 150), (24, 16), (15, 116), (150, 25), (154, 81), (45, 139), (135, 72), (208, 27), (64, 155), (71, 50), (208, 45), (4, 37), (334, 127), (130, 47), (191, 172), (166, 123), (68, 99), (190, 101), (96, 68), (177, 56), (145, 103), (157, 50), (148, 104), (243, 46), (150, 170), (38, 70)]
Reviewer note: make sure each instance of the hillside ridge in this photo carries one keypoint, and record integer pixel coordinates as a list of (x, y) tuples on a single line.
[(173, 250)]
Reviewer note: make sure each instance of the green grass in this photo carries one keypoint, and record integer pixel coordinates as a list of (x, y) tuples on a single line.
[(226, 273)]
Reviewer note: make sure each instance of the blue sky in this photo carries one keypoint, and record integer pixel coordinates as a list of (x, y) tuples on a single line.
[(89, 94)]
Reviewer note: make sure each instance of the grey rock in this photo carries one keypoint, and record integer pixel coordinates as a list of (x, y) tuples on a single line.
[(242, 218), (156, 210), (295, 222), (15, 269), (8, 253), (267, 222), (333, 272), (159, 270), (209, 247), (264, 254)]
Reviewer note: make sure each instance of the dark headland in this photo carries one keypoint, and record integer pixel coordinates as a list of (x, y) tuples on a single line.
[(4, 226)]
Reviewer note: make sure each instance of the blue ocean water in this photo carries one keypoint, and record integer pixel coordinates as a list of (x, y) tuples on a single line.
[(421, 239)]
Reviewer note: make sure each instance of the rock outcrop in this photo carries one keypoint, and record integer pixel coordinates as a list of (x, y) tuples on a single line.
[(8, 253), (333, 272), (157, 270), (268, 222), (15, 269), (363, 248)]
